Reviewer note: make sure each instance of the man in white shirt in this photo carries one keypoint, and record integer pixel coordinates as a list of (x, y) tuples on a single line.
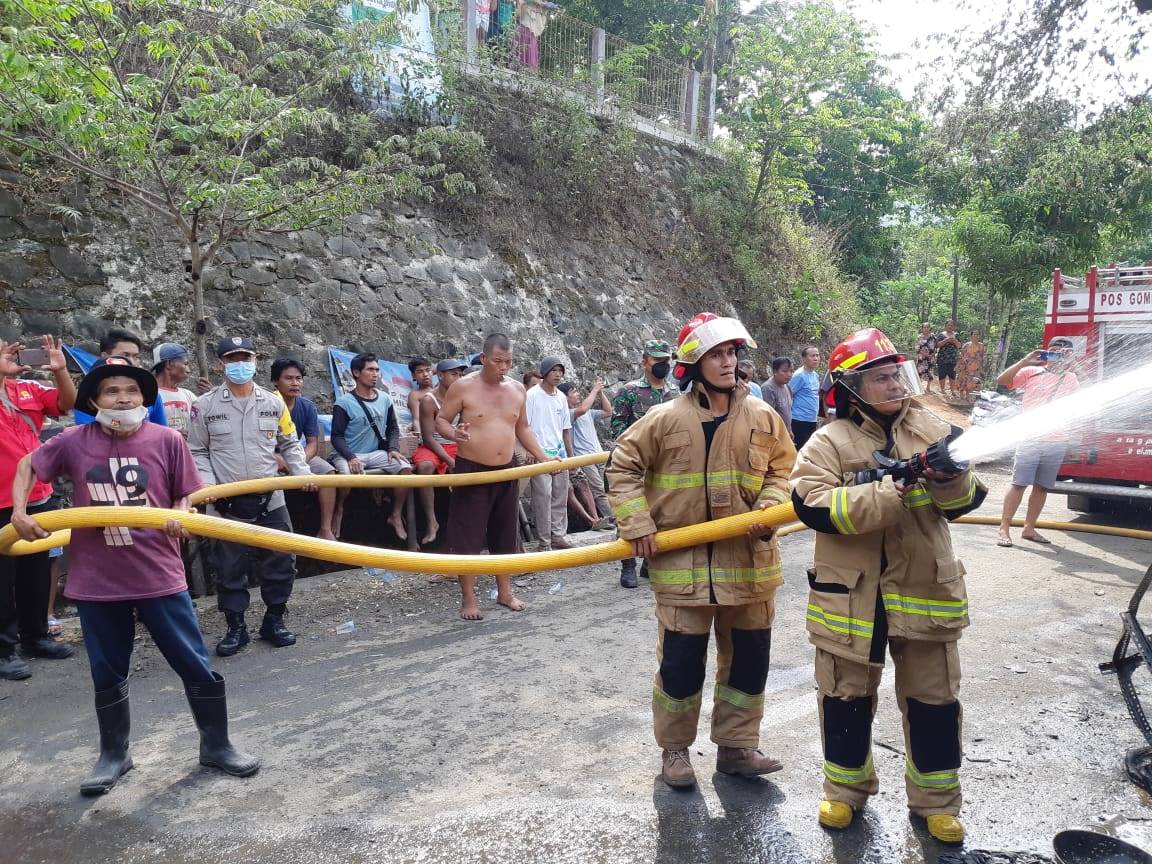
[(170, 366), (551, 423), (586, 441)]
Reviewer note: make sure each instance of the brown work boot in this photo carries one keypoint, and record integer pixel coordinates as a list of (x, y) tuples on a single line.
[(677, 771), (745, 762)]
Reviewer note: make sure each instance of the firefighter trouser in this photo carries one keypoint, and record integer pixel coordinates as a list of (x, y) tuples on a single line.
[(927, 689), (234, 562), (743, 643)]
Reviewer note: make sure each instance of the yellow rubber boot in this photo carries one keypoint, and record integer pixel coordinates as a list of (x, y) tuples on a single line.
[(946, 828), (835, 814)]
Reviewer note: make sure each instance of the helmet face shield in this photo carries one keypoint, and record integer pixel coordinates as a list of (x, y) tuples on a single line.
[(885, 383)]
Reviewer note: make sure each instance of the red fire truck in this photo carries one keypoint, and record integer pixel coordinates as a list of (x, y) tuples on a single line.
[(1108, 316)]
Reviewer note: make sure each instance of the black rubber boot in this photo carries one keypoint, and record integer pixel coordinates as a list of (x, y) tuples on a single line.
[(209, 706), (272, 628), (236, 637), (115, 721), (628, 573)]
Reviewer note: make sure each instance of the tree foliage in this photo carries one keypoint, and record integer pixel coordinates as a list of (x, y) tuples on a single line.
[(1033, 46), (222, 118)]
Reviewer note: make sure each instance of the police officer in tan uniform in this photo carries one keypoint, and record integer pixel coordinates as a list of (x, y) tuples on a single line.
[(235, 432)]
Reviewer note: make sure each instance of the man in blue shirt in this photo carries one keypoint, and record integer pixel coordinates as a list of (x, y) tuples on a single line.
[(126, 344), (805, 387), (366, 436), (288, 379)]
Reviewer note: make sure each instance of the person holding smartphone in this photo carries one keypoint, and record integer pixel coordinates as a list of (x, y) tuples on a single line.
[(1042, 377), (26, 580)]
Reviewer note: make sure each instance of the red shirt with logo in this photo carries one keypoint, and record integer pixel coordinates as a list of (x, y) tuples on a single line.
[(20, 432)]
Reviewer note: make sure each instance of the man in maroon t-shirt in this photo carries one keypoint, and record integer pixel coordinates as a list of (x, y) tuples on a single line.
[(119, 575)]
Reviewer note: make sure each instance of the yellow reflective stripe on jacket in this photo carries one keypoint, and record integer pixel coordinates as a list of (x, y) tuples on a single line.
[(687, 480), (848, 776), (839, 623), (924, 606), (739, 698), (949, 779), (676, 706), (917, 496), (696, 479), (630, 508), (736, 478), (839, 511), (964, 500), (718, 574)]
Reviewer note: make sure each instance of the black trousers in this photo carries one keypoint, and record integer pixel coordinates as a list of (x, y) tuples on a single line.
[(802, 430), (235, 561), (25, 583)]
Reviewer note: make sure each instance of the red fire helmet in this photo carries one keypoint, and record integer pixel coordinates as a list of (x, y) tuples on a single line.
[(862, 348)]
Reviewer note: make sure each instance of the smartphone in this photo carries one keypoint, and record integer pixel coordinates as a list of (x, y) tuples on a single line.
[(1051, 356), (32, 357)]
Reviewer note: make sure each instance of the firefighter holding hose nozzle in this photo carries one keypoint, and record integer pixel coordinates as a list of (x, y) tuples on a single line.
[(879, 487), (709, 453)]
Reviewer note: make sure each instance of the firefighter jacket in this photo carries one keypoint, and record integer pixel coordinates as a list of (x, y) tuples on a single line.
[(663, 474), (238, 439), (884, 564)]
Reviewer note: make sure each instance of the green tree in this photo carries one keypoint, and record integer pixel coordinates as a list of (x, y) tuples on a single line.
[(791, 81), (222, 119), (1029, 191), (865, 170)]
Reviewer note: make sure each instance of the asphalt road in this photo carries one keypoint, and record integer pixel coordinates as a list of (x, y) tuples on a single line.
[(422, 738)]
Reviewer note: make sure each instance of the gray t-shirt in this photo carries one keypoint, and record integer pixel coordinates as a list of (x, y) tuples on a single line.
[(780, 398), (584, 437)]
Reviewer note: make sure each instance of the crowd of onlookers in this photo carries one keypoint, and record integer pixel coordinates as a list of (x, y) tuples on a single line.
[(366, 436)]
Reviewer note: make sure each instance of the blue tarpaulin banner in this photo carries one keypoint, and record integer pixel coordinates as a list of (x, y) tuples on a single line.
[(395, 380), (80, 357)]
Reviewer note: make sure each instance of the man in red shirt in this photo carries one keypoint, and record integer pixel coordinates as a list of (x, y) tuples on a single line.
[(25, 581), (1038, 461)]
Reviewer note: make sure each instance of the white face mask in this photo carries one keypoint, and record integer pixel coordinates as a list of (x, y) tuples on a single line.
[(125, 420)]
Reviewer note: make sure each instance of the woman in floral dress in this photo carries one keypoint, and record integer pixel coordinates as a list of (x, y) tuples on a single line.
[(926, 355)]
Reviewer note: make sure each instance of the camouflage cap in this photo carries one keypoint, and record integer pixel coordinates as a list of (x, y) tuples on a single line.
[(657, 348)]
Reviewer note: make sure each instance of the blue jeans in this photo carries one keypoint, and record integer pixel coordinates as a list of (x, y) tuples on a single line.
[(110, 627)]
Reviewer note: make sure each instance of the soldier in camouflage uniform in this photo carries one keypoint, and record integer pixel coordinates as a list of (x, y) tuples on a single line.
[(631, 402)]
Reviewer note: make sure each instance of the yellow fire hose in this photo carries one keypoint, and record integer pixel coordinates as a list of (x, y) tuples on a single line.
[(416, 562)]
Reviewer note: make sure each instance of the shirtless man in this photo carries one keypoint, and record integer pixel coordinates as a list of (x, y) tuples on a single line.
[(492, 419), (436, 454), (421, 372)]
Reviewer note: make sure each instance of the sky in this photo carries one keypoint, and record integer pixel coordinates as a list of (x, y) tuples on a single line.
[(904, 27)]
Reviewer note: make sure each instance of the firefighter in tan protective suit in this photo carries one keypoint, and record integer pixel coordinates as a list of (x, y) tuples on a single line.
[(885, 577), (713, 451)]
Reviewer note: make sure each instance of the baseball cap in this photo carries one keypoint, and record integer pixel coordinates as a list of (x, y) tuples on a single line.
[(449, 365), (166, 351), (1060, 342), (112, 367), (235, 343), (550, 363), (566, 387), (657, 348)]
